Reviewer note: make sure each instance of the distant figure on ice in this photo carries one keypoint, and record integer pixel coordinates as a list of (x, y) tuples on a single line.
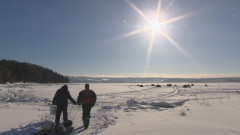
[(87, 98), (60, 99)]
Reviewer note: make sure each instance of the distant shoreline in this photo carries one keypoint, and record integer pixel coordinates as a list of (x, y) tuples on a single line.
[(80, 79)]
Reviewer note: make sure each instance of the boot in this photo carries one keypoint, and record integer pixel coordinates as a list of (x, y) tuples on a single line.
[(86, 121), (56, 128)]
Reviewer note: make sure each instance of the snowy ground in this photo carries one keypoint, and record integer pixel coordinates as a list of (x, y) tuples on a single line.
[(128, 109)]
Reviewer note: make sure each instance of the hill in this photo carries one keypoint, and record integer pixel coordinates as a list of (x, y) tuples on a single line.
[(13, 71)]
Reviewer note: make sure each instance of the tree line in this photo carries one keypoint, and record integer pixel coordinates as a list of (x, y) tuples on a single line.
[(13, 71)]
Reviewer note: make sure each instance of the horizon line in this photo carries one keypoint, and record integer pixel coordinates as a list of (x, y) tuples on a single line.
[(165, 76)]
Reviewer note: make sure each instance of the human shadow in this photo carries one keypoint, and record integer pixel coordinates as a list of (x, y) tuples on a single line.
[(78, 130), (26, 130)]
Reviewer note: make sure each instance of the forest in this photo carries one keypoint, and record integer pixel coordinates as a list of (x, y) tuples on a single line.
[(13, 71)]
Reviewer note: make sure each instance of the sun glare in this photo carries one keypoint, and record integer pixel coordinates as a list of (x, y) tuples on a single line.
[(155, 25)]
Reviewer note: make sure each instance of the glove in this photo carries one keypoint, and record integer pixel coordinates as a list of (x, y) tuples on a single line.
[(75, 103), (54, 103)]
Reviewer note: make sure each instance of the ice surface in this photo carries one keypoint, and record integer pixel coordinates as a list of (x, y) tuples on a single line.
[(123, 108)]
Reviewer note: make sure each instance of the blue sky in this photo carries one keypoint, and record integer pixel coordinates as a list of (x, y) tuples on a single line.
[(88, 37)]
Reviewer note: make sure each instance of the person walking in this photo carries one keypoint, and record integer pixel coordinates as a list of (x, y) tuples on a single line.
[(87, 98), (60, 99)]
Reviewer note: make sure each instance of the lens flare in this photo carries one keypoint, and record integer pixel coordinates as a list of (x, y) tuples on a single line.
[(155, 26)]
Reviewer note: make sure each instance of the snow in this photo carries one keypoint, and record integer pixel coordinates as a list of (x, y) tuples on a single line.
[(128, 109)]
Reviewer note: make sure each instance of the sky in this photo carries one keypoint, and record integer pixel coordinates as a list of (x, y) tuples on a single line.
[(192, 38)]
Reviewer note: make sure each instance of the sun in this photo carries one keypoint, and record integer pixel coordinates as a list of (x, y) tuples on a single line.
[(155, 26)]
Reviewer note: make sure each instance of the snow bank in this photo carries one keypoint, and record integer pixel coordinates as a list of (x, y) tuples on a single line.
[(132, 104)]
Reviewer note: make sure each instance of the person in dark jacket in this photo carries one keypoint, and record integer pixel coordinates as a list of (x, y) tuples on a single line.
[(87, 98), (60, 99)]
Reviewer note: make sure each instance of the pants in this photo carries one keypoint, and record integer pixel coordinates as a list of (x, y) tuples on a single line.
[(61, 109), (86, 114)]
